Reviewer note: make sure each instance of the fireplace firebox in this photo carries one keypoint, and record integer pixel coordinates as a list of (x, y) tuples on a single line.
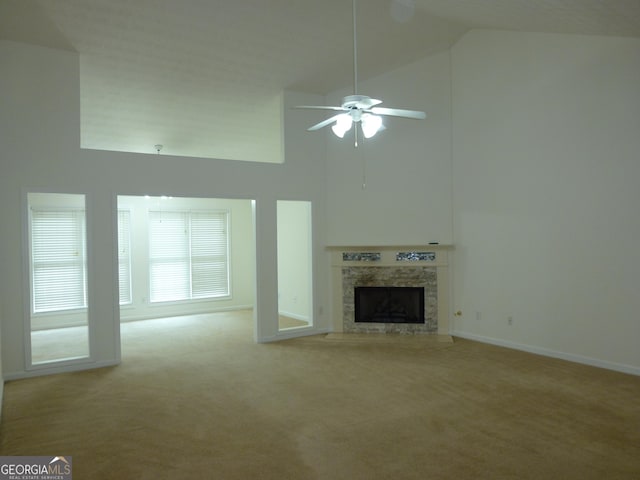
[(389, 304)]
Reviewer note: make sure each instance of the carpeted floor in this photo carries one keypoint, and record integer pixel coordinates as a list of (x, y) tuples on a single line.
[(196, 398)]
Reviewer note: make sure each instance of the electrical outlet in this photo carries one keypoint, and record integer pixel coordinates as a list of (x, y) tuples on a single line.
[(478, 316), (510, 320)]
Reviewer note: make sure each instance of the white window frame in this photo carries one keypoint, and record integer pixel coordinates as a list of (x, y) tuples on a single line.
[(181, 268)]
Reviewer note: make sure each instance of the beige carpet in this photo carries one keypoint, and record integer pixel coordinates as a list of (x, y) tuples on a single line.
[(285, 322), (196, 398), (59, 344)]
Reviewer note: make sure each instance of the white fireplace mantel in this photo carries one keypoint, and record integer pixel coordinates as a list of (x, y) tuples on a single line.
[(430, 255)]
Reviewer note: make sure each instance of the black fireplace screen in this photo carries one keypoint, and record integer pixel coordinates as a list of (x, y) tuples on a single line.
[(389, 304)]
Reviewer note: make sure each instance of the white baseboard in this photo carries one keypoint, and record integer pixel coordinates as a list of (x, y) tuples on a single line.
[(294, 333), (618, 367), (76, 367)]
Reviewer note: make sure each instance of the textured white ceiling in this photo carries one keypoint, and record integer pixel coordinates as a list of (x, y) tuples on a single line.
[(205, 77)]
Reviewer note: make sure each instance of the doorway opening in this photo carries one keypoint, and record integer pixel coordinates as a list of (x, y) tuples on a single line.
[(184, 256), (58, 322), (295, 265)]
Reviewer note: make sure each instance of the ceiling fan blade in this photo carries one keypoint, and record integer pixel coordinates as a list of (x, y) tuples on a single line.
[(322, 107), (324, 123), (398, 112)]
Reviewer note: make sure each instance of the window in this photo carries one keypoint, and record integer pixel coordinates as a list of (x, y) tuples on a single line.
[(124, 256), (188, 255), (58, 260)]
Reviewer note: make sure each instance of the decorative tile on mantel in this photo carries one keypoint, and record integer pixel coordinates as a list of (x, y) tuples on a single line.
[(416, 257), (361, 256)]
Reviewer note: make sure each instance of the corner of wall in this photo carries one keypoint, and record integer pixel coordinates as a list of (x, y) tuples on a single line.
[(1, 372)]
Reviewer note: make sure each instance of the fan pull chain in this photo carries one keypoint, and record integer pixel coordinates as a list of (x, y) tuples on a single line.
[(364, 173)]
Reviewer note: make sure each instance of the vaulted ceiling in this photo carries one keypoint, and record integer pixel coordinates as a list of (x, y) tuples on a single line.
[(204, 77)]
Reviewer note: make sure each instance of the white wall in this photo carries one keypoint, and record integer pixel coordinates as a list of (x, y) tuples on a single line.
[(40, 132), (407, 198), (295, 260), (241, 250), (546, 173)]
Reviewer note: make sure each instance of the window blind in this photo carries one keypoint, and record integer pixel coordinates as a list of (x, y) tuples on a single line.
[(124, 256), (209, 247), (168, 256), (188, 255), (58, 260)]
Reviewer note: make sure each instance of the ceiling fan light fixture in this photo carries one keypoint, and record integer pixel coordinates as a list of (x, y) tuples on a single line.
[(360, 108), (342, 125), (371, 124)]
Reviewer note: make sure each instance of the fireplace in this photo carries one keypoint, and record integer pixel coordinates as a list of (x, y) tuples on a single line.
[(389, 304), (402, 280), (416, 275)]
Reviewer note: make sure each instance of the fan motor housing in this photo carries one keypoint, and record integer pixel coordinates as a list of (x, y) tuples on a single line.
[(361, 102)]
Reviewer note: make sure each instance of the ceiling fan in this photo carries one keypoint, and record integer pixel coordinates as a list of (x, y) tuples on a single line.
[(359, 109)]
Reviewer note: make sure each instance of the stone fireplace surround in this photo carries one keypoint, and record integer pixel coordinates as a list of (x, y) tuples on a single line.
[(404, 276), (422, 266)]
